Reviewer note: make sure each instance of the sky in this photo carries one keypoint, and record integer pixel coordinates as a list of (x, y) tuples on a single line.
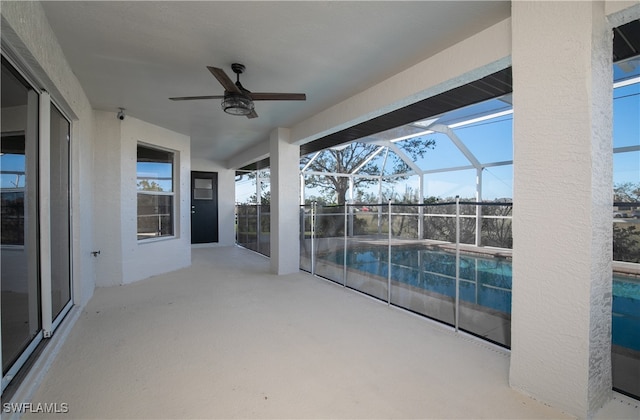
[(490, 141)]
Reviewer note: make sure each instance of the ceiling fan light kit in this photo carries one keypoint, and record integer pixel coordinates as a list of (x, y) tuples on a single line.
[(237, 100), (237, 104)]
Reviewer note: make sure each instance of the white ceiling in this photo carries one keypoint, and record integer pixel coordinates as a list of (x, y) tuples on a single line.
[(137, 54)]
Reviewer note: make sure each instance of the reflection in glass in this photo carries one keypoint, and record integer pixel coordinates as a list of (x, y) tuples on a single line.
[(60, 244), (19, 252), (155, 192), (155, 215)]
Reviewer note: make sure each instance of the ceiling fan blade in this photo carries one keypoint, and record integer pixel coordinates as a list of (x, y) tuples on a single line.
[(252, 115), (195, 98), (262, 96), (224, 80)]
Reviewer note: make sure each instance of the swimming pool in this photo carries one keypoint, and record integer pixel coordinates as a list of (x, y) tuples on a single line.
[(485, 286)]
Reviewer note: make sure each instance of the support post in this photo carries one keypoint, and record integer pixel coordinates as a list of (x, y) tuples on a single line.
[(563, 179), (285, 194)]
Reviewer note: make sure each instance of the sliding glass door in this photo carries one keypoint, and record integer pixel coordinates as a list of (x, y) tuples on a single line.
[(35, 207), (21, 300), (59, 198)]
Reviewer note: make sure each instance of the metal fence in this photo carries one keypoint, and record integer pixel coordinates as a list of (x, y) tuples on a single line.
[(429, 259), (253, 227)]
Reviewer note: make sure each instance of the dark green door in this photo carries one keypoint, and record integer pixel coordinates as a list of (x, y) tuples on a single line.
[(204, 207)]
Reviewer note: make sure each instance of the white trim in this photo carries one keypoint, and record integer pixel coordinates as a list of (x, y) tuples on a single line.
[(483, 118), (71, 301), (175, 171), (44, 177), (156, 239), (627, 82), (58, 320), (17, 365)]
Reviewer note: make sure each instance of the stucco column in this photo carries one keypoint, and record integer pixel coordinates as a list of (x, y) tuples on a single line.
[(562, 227), (285, 205)]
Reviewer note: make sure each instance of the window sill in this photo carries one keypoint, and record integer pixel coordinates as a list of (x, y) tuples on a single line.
[(156, 239)]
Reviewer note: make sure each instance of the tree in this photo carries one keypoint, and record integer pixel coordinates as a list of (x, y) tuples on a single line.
[(626, 237), (145, 185), (265, 188), (626, 241), (346, 160), (628, 192)]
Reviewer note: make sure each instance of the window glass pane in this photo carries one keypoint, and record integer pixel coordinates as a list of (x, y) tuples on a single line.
[(60, 243), (203, 194), (626, 108), (154, 169), (19, 186), (155, 215), (155, 192), (205, 183)]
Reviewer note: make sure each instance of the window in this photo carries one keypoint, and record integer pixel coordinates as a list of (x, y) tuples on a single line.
[(155, 192)]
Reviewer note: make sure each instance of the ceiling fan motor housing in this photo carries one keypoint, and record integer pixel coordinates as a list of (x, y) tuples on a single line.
[(238, 68)]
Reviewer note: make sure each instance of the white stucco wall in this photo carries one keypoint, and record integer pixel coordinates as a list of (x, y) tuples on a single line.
[(563, 179), (142, 259), (285, 210), (123, 259), (107, 199), (226, 197), (32, 46)]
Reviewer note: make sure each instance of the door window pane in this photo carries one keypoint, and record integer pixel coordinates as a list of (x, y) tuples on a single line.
[(202, 189), (60, 243), (19, 185)]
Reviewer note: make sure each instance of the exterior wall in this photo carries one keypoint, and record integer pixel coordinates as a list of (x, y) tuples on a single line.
[(563, 179), (123, 259), (620, 12), (107, 199), (33, 46), (226, 198), (144, 259)]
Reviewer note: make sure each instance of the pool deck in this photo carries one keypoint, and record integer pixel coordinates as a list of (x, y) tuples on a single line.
[(224, 338)]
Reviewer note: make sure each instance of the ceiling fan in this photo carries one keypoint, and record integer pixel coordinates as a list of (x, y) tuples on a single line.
[(236, 99)]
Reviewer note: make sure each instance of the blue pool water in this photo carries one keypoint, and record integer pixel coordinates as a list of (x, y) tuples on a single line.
[(484, 282)]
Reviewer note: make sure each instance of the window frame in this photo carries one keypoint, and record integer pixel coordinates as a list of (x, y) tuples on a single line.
[(172, 194)]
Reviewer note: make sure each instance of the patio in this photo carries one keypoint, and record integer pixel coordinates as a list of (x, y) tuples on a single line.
[(226, 339)]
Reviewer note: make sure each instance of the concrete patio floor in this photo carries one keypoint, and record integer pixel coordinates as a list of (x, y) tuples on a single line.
[(226, 339)]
